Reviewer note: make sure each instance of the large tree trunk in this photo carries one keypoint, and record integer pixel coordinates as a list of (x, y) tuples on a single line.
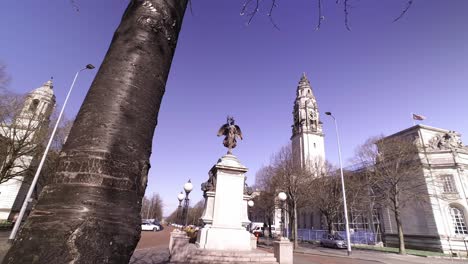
[(296, 242), (90, 211), (401, 239)]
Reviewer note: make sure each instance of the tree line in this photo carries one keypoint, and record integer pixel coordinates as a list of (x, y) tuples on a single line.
[(387, 176)]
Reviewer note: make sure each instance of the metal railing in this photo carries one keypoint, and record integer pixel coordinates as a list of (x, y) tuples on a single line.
[(357, 237)]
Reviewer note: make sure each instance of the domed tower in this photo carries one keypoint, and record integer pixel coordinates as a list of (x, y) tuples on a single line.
[(37, 108), (27, 129), (307, 137)]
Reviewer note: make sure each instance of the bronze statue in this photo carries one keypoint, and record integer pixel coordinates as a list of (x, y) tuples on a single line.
[(231, 131)]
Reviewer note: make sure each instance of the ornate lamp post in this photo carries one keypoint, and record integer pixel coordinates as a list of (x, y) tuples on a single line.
[(188, 186), (282, 197), (348, 238), (250, 204), (180, 197), (41, 163)]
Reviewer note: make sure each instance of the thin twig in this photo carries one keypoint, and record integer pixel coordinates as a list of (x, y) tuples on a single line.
[(253, 13), (75, 6), (244, 7), (408, 5), (270, 14), (319, 15), (345, 3)]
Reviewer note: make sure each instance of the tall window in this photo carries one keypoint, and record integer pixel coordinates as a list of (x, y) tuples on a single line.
[(458, 220), (34, 104), (448, 184)]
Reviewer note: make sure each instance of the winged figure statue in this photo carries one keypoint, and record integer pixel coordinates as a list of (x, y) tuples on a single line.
[(232, 132)]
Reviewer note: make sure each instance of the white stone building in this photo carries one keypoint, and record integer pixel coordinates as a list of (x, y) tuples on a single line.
[(440, 222), (32, 120), (307, 138), (307, 142)]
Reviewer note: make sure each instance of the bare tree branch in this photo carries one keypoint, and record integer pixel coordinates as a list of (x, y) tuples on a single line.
[(252, 14), (346, 12), (75, 5), (408, 5), (4, 78), (320, 16), (270, 14)]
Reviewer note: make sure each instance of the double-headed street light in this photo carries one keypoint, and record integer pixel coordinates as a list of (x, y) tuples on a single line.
[(39, 168), (188, 186), (250, 203), (348, 238), (180, 197), (282, 197)]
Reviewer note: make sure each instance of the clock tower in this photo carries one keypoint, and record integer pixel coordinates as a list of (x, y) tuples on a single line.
[(307, 138)]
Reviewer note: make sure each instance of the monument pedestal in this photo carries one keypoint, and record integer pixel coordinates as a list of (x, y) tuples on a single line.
[(223, 238), (224, 215)]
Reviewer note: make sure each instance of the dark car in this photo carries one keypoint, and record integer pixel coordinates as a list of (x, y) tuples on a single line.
[(333, 241)]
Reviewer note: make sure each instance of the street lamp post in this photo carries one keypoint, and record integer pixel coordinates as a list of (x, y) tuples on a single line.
[(250, 204), (180, 197), (282, 197), (39, 168), (348, 238), (188, 186)]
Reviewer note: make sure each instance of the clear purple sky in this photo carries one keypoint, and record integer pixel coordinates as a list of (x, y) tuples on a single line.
[(371, 78)]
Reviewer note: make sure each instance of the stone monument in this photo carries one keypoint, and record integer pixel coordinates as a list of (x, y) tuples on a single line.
[(225, 215), (224, 236)]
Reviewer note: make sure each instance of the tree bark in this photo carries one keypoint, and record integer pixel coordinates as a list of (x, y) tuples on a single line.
[(296, 242), (401, 239), (90, 212)]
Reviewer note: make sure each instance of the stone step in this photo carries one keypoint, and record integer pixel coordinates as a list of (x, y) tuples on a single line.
[(229, 262), (202, 256), (246, 259), (222, 253)]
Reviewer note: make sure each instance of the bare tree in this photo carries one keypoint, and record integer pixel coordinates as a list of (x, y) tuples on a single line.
[(327, 195), (264, 203), (152, 207), (195, 213), (291, 178), (251, 8), (4, 78), (21, 137), (394, 175), (193, 216)]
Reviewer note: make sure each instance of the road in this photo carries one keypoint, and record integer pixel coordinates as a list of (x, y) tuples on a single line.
[(153, 249)]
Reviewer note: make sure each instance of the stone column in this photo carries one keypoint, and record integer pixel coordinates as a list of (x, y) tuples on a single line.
[(283, 250)]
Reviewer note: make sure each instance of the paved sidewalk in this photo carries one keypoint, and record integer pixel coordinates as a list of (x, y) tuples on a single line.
[(4, 245), (156, 255), (377, 257)]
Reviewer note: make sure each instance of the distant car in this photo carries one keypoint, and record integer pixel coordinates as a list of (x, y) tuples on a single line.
[(333, 241), (260, 231), (145, 226)]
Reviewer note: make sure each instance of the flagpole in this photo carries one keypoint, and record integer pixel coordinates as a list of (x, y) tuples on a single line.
[(412, 117)]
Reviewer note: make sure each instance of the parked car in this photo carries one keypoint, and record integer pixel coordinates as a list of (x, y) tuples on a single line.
[(260, 231), (146, 226), (333, 241)]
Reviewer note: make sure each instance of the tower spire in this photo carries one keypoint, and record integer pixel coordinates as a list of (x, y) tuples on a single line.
[(307, 137), (306, 114)]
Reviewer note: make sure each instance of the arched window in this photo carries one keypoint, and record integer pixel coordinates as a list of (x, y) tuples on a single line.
[(34, 104), (458, 220)]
